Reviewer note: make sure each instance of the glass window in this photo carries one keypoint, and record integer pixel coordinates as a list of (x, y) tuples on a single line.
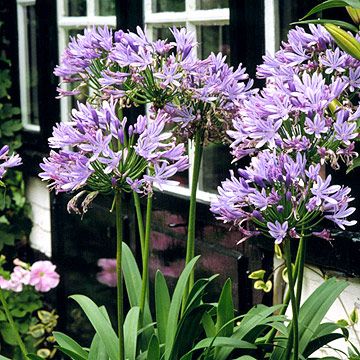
[(76, 8), (33, 69), (168, 5), (28, 69), (214, 39), (105, 7), (211, 4)]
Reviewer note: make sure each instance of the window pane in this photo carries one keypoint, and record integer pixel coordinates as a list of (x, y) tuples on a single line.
[(105, 7), (211, 4), (33, 69), (76, 8), (213, 39), (215, 166), (163, 33), (168, 5)]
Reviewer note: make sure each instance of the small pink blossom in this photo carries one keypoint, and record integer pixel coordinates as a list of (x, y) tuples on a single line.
[(43, 276), (107, 275)]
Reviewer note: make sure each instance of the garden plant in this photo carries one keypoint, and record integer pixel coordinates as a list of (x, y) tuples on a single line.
[(304, 119)]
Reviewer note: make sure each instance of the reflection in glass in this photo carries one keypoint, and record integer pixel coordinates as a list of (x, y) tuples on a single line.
[(216, 163), (163, 34), (213, 39), (33, 69), (105, 7), (168, 5), (76, 7), (212, 4)]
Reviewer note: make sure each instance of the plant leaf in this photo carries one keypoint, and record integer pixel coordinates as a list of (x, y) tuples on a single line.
[(162, 305), (100, 324), (68, 343), (153, 352), (332, 4), (225, 311), (342, 24), (73, 355), (130, 332), (175, 306), (97, 349), (132, 280)]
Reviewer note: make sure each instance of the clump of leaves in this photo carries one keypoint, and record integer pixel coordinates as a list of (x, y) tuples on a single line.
[(15, 223)]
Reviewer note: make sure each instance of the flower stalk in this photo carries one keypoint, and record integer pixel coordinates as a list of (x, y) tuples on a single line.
[(294, 334), (145, 257), (190, 244), (12, 324), (139, 220), (120, 305)]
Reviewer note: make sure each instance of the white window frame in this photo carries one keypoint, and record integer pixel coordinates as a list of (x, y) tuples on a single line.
[(191, 18), (66, 23), (24, 64)]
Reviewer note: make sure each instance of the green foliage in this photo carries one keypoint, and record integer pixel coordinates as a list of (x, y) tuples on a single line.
[(312, 334), (15, 224)]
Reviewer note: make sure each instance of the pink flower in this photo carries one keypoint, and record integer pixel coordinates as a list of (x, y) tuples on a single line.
[(43, 276), (107, 276)]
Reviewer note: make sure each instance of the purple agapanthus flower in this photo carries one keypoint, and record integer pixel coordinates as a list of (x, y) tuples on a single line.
[(8, 161), (281, 196), (108, 155)]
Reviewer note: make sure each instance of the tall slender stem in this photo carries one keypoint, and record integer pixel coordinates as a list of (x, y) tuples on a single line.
[(299, 255), (120, 295), (190, 245), (10, 320), (145, 257), (139, 221), (294, 307), (300, 275)]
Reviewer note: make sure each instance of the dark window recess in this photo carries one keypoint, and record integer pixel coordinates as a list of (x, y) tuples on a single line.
[(43, 56), (33, 69)]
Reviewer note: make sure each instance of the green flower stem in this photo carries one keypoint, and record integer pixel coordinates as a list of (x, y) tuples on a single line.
[(301, 265), (299, 255), (140, 221), (190, 244), (120, 295), (145, 257), (12, 324), (294, 321)]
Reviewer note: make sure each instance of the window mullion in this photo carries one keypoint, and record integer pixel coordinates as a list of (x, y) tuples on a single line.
[(271, 20)]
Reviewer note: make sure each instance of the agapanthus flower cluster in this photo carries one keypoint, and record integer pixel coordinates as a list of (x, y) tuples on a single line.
[(313, 52), (41, 275), (99, 152), (305, 105), (298, 115), (8, 161), (281, 196), (128, 66)]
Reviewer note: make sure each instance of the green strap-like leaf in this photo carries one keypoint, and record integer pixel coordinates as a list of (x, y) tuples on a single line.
[(97, 349), (100, 324), (332, 4), (68, 343), (130, 332), (162, 305), (225, 310), (153, 352), (343, 24), (175, 306), (132, 280)]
